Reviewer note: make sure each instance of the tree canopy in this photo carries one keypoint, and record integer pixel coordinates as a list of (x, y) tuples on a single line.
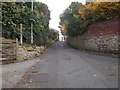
[(76, 18), (16, 13)]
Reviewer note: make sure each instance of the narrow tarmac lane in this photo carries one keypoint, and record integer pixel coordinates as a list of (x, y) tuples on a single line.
[(64, 67)]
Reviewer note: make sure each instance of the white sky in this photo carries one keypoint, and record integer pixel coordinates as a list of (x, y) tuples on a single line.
[(57, 7)]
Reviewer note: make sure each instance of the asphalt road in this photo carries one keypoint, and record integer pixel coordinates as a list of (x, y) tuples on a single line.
[(64, 67)]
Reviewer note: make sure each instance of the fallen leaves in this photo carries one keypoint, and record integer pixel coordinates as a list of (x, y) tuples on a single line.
[(34, 71), (107, 67), (29, 48), (114, 67)]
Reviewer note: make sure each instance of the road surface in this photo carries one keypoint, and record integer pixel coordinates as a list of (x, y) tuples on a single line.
[(64, 67)]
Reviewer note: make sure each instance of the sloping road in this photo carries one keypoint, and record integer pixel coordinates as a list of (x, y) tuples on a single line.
[(64, 67)]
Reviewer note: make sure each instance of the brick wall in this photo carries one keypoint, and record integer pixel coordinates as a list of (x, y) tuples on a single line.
[(104, 28)]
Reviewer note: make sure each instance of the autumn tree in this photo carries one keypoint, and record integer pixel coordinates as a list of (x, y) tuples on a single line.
[(76, 18), (69, 21)]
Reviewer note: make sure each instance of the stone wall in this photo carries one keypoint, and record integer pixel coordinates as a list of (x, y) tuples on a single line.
[(12, 52), (100, 37), (106, 44), (25, 53)]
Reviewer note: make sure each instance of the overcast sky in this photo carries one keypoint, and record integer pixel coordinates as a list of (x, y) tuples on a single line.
[(57, 7)]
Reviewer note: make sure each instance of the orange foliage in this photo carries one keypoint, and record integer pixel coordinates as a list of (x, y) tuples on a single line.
[(100, 8)]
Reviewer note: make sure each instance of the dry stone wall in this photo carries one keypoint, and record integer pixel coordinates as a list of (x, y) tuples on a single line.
[(24, 53)]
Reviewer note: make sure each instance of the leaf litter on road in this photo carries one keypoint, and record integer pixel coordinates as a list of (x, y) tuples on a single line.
[(114, 67), (35, 71), (104, 67)]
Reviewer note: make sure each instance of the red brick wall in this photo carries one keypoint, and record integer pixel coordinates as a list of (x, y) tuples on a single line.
[(104, 28)]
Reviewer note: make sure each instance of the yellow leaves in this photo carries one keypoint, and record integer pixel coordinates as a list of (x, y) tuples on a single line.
[(89, 10), (81, 11), (29, 49), (109, 0), (94, 10), (76, 16), (91, 7)]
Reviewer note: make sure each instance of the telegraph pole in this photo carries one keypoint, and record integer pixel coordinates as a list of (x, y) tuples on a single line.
[(21, 27), (32, 24), (21, 36)]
